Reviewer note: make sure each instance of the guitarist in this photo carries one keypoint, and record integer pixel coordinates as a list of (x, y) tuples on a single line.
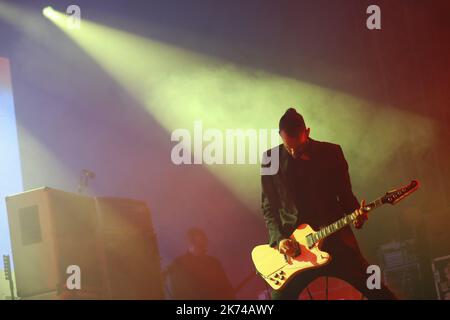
[(313, 186)]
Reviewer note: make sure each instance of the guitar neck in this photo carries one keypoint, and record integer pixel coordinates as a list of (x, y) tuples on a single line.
[(341, 223)]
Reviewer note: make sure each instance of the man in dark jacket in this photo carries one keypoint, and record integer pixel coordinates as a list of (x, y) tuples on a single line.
[(313, 186)]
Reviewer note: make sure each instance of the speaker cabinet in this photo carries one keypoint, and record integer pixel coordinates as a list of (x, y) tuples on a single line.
[(111, 240), (51, 230), (130, 249)]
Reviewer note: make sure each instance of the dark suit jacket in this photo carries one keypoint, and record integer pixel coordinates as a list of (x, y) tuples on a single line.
[(331, 189)]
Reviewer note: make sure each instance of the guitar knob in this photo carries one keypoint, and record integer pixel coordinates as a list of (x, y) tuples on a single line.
[(282, 272), (277, 282), (282, 278), (276, 275)]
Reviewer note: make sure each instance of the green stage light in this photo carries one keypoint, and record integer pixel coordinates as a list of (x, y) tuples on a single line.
[(179, 87), (51, 14), (47, 11)]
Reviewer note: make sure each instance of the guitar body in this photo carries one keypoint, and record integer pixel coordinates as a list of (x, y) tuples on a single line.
[(277, 270)]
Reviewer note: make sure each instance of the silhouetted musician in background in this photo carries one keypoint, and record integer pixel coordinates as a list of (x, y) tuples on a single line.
[(197, 275)]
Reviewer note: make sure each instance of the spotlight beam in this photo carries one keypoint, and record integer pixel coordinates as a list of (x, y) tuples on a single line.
[(178, 87)]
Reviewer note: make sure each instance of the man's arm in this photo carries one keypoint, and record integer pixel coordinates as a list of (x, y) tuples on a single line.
[(347, 199), (271, 216)]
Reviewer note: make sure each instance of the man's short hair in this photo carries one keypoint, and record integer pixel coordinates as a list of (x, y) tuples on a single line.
[(194, 232), (292, 122)]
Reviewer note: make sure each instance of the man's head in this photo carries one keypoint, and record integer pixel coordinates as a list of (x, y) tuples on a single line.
[(293, 132), (197, 241)]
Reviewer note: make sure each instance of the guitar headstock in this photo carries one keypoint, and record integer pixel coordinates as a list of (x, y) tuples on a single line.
[(396, 195)]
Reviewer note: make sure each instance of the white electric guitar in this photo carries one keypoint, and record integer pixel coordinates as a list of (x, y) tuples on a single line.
[(277, 268)]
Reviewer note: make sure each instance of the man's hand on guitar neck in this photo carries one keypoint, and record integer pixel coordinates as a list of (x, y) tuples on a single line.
[(362, 216)]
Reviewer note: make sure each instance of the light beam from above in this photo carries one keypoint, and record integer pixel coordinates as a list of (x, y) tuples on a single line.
[(178, 87)]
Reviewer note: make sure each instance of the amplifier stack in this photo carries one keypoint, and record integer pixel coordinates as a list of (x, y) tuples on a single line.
[(110, 240)]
